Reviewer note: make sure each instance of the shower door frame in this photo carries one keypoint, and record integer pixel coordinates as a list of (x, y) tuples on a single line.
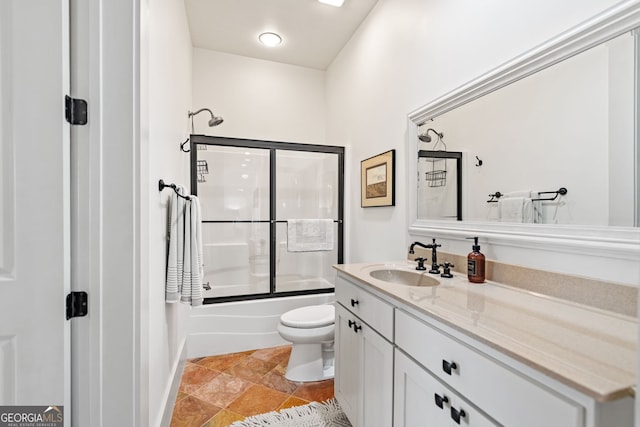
[(273, 147)]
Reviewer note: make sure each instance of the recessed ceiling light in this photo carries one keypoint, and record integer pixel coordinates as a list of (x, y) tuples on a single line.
[(270, 39), (336, 3)]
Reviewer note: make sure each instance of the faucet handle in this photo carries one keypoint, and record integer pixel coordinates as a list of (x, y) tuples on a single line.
[(420, 261), (446, 267)]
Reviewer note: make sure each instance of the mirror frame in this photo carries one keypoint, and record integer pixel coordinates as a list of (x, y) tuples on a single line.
[(622, 242)]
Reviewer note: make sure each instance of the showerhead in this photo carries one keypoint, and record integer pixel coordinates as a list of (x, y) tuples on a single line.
[(214, 121), (424, 137)]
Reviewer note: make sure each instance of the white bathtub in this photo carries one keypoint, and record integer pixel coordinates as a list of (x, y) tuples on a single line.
[(243, 325), (232, 269)]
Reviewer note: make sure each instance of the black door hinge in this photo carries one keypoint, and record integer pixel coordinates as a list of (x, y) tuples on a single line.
[(75, 110), (76, 304)]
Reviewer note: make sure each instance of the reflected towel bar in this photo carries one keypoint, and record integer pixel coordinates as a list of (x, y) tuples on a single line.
[(561, 191)]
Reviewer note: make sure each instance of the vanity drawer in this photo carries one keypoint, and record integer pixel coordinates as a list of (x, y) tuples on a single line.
[(508, 397), (369, 308), (427, 402)]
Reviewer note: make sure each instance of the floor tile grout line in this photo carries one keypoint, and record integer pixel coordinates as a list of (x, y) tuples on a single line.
[(276, 359)]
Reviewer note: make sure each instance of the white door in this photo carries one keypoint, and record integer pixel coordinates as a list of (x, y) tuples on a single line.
[(34, 203)]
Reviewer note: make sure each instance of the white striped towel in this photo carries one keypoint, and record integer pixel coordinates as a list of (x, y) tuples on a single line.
[(191, 291), (185, 260), (175, 256), (185, 292), (197, 269)]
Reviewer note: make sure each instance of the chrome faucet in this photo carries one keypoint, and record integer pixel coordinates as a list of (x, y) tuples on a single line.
[(435, 267)]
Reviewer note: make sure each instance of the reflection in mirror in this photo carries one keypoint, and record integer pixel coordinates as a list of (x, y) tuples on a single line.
[(439, 185), (569, 125)]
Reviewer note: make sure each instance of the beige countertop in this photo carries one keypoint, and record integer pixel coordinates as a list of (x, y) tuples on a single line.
[(589, 349)]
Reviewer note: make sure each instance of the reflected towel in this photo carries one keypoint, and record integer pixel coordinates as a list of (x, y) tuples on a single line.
[(516, 209), (307, 235)]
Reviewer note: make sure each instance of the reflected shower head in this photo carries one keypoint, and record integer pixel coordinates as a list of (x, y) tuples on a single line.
[(424, 137), (214, 121)]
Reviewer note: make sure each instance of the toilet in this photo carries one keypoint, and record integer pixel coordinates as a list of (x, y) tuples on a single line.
[(311, 330)]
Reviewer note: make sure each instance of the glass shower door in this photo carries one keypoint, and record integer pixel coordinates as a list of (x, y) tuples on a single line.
[(306, 191), (234, 194), (251, 192)]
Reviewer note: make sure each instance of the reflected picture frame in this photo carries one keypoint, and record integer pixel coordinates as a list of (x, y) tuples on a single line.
[(377, 178)]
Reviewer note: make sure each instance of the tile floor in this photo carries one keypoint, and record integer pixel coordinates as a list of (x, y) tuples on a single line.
[(215, 391)]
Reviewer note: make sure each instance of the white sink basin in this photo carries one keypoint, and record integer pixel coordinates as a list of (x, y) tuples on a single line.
[(404, 277)]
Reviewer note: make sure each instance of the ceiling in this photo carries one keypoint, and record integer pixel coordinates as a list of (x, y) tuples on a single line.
[(313, 33)]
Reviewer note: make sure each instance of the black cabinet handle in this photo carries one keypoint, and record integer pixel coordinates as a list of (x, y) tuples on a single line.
[(449, 366), (457, 415), (354, 325), (354, 302), (441, 400)]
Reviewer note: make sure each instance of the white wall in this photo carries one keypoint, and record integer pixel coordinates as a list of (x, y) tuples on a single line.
[(259, 99), (407, 53), (168, 79), (528, 132)]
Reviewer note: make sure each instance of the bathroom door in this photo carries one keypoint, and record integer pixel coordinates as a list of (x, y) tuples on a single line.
[(34, 204)]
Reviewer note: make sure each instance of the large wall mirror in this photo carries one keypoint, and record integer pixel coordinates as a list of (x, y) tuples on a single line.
[(557, 125)]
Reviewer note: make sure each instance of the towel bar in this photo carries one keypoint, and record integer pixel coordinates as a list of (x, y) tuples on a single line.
[(561, 191), (162, 186)]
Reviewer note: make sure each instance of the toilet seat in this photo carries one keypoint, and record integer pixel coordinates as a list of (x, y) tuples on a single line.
[(313, 316)]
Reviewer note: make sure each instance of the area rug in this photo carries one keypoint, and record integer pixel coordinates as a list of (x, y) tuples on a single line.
[(315, 414)]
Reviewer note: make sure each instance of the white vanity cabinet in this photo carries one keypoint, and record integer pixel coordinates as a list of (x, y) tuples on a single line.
[(489, 391), (423, 401), (364, 356), (404, 359)]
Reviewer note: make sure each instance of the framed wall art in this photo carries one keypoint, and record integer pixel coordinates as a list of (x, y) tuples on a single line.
[(378, 180)]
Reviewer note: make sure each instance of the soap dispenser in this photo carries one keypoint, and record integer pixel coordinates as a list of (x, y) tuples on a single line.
[(475, 263)]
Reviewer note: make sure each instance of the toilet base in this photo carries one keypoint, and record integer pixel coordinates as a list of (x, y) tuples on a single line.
[(310, 362)]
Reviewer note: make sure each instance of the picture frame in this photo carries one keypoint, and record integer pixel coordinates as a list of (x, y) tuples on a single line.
[(377, 175)]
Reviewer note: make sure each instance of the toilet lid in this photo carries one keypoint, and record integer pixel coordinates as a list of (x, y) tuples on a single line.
[(313, 316)]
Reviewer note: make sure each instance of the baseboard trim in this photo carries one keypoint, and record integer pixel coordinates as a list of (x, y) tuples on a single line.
[(175, 385)]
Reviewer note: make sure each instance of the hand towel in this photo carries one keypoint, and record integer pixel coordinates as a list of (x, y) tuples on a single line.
[(308, 235), (528, 213), (175, 255), (516, 209), (197, 269), (185, 292), (192, 274)]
